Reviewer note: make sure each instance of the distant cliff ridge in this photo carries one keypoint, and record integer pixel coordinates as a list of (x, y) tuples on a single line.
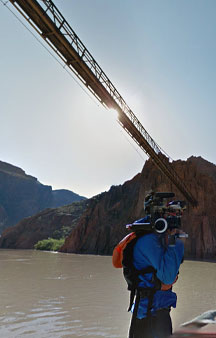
[(21, 195), (101, 224), (63, 197)]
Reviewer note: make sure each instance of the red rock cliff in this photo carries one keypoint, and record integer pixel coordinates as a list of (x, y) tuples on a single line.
[(103, 224)]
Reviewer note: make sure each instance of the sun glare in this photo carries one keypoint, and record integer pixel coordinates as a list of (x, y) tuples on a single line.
[(114, 113)]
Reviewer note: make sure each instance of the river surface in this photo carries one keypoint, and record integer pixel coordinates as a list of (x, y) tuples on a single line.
[(44, 294)]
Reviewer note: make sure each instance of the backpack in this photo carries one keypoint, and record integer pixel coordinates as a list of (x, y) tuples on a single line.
[(123, 258)]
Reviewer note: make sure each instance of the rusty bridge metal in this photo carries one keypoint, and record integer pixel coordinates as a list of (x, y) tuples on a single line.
[(50, 24)]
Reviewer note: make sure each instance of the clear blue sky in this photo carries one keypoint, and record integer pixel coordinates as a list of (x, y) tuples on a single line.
[(161, 56)]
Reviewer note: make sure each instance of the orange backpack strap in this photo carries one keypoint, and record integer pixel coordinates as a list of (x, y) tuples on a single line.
[(118, 250)]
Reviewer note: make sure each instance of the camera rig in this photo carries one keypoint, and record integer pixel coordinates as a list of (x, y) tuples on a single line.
[(161, 215)]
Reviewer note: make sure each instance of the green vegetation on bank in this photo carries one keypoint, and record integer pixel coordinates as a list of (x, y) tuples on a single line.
[(50, 244)]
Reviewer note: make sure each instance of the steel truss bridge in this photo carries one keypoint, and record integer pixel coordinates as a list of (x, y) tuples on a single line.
[(50, 24)]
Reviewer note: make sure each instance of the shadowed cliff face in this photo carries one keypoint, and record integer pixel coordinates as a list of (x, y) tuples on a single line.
[(22, 195), (54, 223), (103, 224)]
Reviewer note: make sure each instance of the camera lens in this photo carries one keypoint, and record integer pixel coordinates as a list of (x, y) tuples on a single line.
[(160, 225)]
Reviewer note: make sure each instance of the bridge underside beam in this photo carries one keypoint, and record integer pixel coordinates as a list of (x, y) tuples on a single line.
[(55, 30)]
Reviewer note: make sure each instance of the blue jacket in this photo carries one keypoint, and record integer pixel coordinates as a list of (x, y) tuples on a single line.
[(149, 251)]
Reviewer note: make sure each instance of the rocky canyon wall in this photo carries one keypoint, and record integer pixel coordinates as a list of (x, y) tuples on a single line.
[(103, 223)]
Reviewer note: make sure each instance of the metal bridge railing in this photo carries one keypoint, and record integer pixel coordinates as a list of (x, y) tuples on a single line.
[(86, 56)]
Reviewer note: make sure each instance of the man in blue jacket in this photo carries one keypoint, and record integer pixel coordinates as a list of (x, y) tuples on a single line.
[(158, 261), (149, 250)]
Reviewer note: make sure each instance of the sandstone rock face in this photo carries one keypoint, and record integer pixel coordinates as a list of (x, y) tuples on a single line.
[(102, 225), (22, 195), (54, 223)]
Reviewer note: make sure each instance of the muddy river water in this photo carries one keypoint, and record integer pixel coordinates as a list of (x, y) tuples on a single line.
[(44, 294)]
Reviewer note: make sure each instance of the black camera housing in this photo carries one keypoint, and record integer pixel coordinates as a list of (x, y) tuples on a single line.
[(162, 214)]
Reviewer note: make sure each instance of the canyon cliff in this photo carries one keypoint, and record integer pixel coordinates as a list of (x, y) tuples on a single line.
[(101, 223), (22, 195), (55, 223)]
